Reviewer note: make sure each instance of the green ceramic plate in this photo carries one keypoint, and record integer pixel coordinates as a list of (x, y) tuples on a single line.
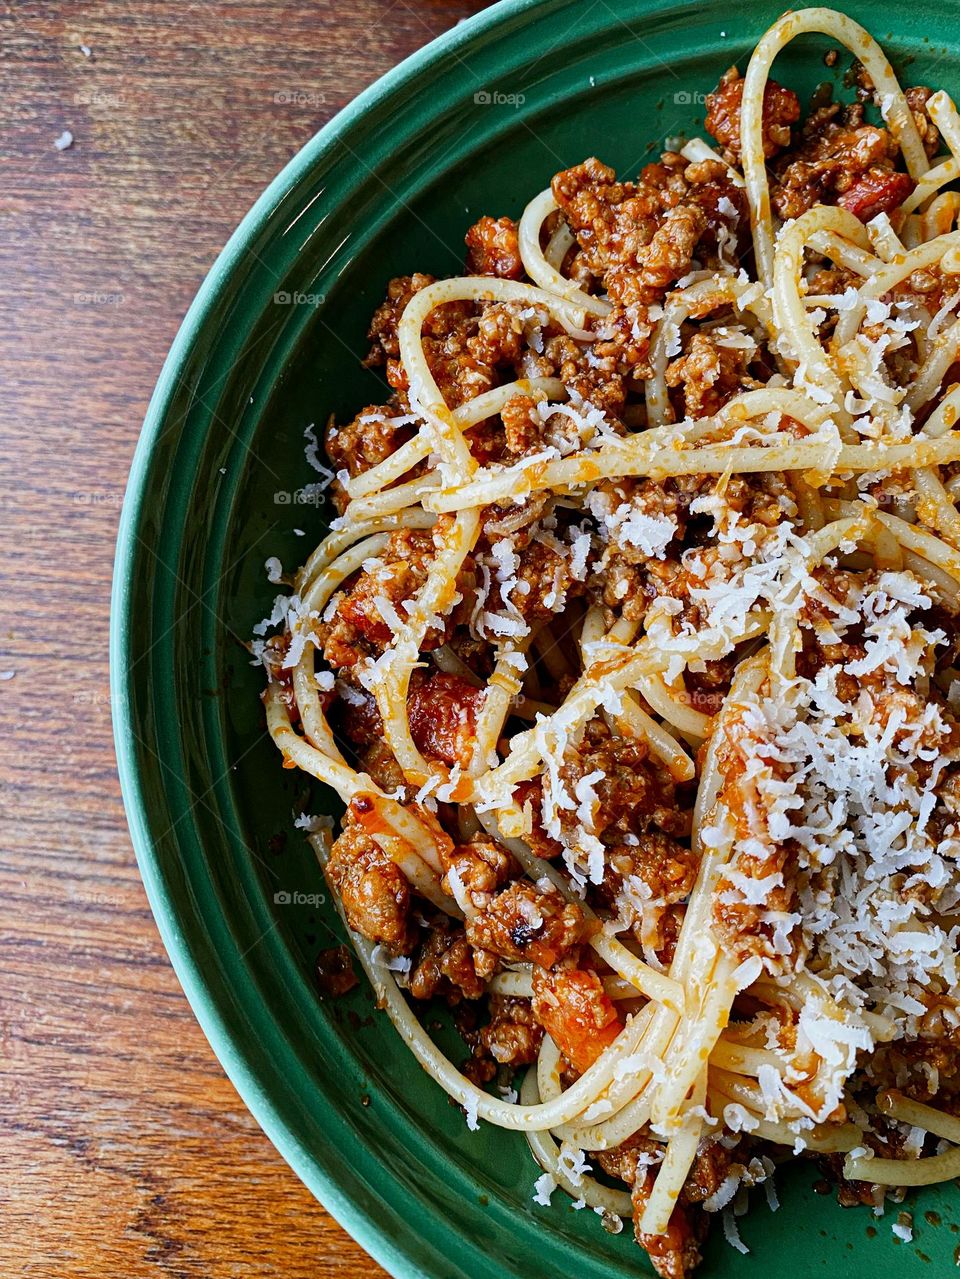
[(478, 122)]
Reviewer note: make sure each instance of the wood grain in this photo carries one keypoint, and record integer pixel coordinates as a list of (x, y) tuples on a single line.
[(124, 1150)]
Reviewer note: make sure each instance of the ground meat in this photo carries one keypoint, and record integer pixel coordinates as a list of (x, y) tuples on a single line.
[(500, 335), (626, 579), (459, 374), (379, 762), (649, 497), (354, 710), (640, 1155), (625, 587), (530, 795), (676, 1253), (927, 1070), (480, 868), (623, 1161), (709, 373), (635, 793), (581, 1019), (707, 1174), (836, 153), (743, 924), (623, 343), (514, 1035), (664, 867), (446, 331), (470, 348), (524, 923), (386, 319), (540, 581), (827, 277), (525, 431), (838, 587), (375, 433), (948, 793), (334, 971), (595, 378), (374, 892), (442, 710), (707, 689), (668, 930), (493, 249), (645, 885), (479, 1068), (930, 288), (670, 252), (597, 207), (637, 238), (446, 966), (358, 627), (547, 573), (723, 203), (917, 98), (781, 109)]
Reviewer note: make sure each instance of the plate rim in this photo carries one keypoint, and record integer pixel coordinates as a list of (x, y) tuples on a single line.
[(398, 1254)]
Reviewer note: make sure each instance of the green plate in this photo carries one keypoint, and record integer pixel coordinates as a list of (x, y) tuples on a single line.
[(478, 122)]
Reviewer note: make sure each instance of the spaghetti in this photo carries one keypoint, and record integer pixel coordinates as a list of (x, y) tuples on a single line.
[(639, 628)]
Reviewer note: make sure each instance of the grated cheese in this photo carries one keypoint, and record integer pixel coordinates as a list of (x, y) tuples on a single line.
[(876, 893), (732, 1234), (543, 1188)]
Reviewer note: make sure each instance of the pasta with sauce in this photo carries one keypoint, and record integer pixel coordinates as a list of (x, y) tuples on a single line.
[(633, 655)]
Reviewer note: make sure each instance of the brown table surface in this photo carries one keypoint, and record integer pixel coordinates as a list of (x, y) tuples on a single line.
[(124, 1150)]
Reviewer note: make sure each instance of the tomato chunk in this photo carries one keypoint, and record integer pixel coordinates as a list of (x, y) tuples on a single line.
[(576, 1012)]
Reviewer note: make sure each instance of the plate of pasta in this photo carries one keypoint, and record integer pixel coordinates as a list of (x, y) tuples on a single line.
[(537, 648)]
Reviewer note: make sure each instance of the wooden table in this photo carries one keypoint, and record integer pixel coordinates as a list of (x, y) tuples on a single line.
[(124, 1150)]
